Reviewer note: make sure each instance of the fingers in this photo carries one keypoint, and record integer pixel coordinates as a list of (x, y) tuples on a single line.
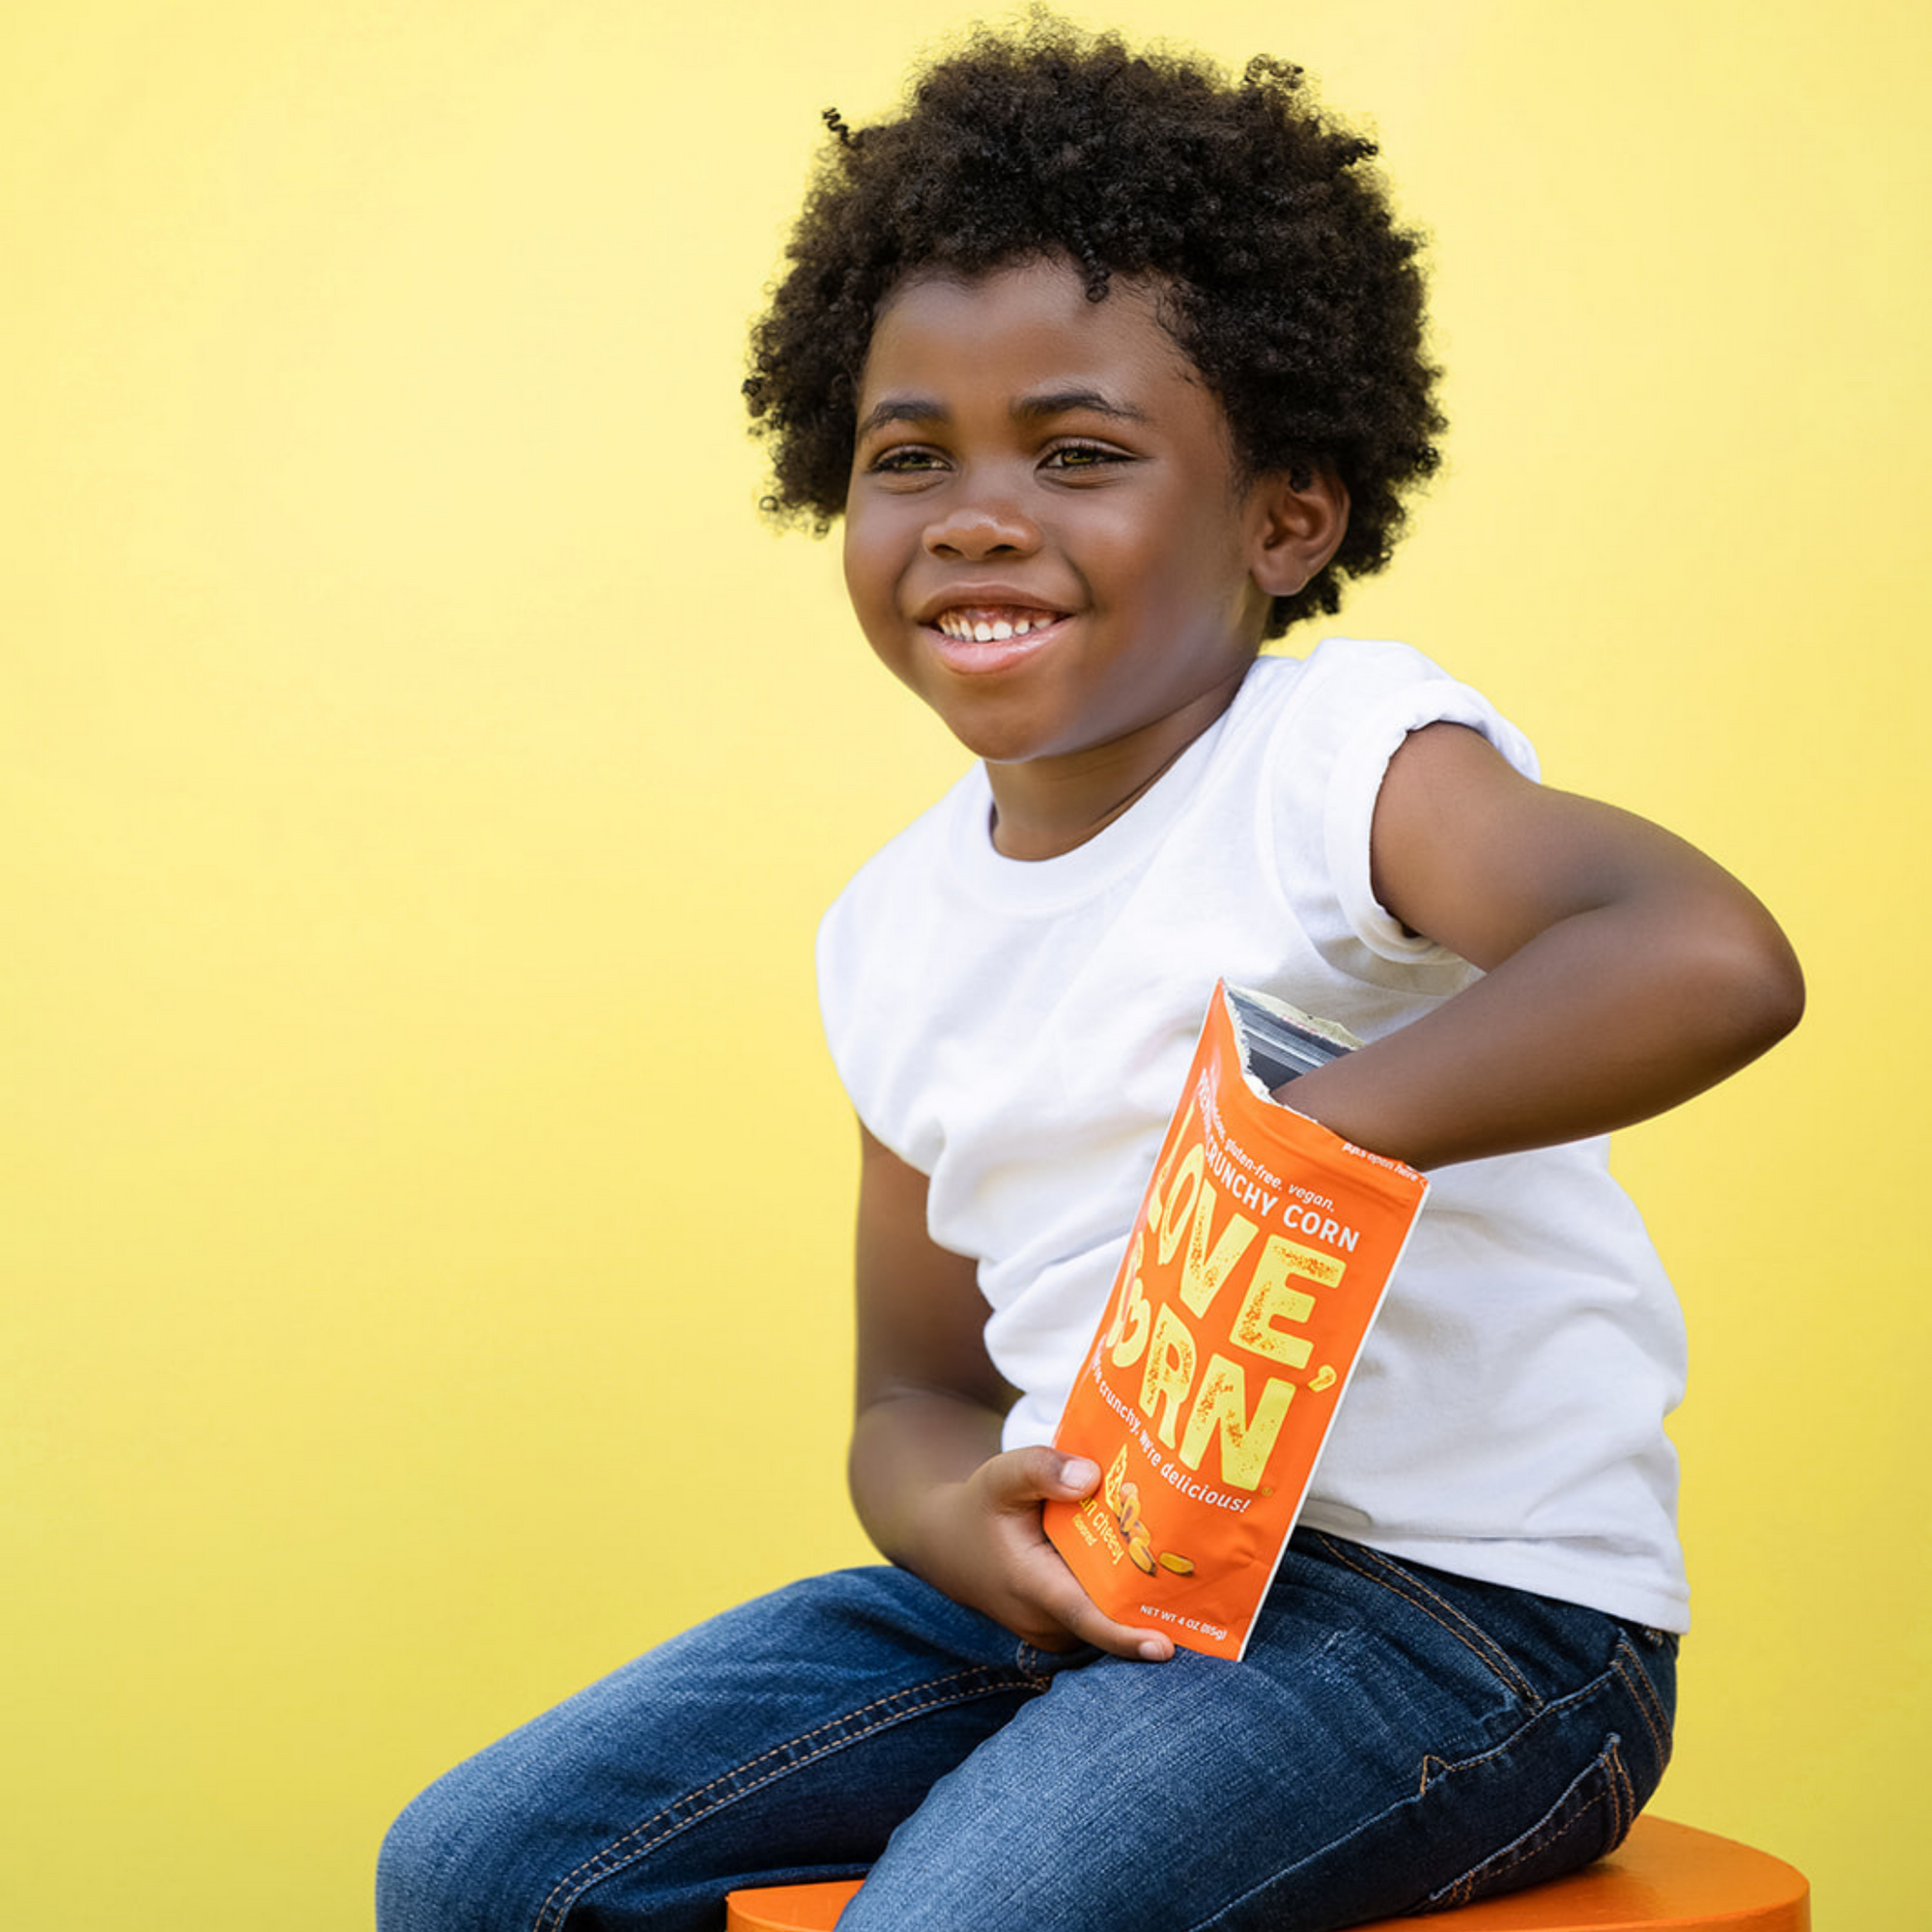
[(1022, 1477), (1017, 1577), (1017, 1484), (1057, 1592), (1140, 1646)]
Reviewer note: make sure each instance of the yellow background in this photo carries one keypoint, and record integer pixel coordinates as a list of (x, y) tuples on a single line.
[(421, 773)]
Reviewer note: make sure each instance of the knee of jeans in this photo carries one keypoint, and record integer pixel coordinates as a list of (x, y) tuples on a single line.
[(410, 1872), (443, 1863)]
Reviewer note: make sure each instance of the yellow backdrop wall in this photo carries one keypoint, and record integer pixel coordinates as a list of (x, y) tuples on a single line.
[(422, 774)]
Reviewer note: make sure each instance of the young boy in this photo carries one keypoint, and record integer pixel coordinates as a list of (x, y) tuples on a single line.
[(1114, 371)]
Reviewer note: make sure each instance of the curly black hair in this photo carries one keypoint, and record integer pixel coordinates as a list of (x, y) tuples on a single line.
[(1288, 281)]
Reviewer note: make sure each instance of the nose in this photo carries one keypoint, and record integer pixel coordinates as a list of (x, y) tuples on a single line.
[(988, 525)]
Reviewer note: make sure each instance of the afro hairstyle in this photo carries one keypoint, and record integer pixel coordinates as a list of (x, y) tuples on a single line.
[(1286, 278)]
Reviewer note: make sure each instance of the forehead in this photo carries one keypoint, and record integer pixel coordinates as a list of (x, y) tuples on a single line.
[(1023, 328)]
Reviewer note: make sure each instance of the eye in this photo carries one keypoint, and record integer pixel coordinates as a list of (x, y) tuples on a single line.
[(904, 459), (1074, 457)]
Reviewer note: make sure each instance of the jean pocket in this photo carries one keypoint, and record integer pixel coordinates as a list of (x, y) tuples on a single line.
[(1590, 1820), (1419, 1588)]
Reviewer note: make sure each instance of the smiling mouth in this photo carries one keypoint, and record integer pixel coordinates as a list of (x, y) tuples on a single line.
[(992, 624)]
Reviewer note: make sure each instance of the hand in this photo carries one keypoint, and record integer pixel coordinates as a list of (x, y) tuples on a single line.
[(983, 1542)]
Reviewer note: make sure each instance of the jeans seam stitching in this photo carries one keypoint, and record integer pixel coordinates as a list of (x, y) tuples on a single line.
[(1464, 1888), (1643, 1696), (1487, 1650), (912, 1701), (1628, 1806), (1025, 1663), (1547, 1714), (1544, 1714)]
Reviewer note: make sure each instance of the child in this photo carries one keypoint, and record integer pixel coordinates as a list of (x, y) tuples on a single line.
[(1114, 370)]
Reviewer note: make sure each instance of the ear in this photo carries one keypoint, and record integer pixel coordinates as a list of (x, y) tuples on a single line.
[(1293, 532)]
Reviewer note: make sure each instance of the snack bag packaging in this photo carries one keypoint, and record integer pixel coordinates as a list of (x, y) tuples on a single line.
[(1257, 1263)]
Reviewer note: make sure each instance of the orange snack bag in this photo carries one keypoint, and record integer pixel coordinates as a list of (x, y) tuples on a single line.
[(1257, 1263)]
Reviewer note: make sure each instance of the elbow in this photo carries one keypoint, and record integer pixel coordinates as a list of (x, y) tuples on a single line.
[(1787, 1003), (1755, 986)]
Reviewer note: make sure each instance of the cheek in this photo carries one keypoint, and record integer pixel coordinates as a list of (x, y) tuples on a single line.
[(860, 562), (871, 580)]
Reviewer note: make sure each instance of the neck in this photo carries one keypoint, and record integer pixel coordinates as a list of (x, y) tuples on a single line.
[(1043, 807)]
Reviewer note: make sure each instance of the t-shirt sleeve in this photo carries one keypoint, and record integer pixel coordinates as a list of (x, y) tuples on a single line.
[(1360, 700), (845, 966), (866, 957), (833, 963)]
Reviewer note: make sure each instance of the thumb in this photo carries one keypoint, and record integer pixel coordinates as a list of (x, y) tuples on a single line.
[(1041, 1472)]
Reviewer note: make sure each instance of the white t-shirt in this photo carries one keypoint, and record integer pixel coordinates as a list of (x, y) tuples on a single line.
[(1020, 1031)]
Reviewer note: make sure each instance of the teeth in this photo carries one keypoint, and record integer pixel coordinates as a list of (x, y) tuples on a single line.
[(994, 630)]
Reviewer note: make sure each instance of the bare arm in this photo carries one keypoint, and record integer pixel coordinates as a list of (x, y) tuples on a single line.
[(1624, 971), (929, 1481)]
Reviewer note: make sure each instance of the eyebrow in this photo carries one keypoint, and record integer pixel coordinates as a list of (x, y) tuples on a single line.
[(1025, 408)]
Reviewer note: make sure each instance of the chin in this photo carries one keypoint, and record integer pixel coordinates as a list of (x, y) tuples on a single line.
[(1004, 743)]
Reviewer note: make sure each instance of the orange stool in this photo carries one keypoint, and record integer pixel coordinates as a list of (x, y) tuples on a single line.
[(1663, 1878)]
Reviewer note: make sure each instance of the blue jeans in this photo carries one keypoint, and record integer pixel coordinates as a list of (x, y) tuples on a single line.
[(1396, 1740)]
